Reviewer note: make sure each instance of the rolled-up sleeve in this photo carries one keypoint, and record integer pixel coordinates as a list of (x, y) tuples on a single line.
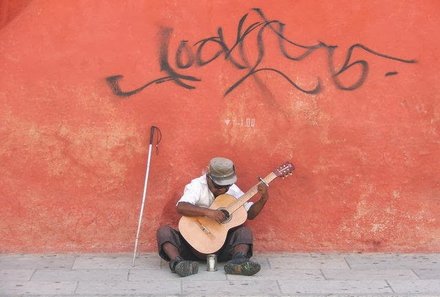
[(191, 193)]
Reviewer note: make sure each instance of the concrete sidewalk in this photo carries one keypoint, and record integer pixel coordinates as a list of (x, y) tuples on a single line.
[(282, 274)]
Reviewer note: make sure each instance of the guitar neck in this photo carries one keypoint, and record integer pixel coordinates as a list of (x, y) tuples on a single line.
[(249, 194)]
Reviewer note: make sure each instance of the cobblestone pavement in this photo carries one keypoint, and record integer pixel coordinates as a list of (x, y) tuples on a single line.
[(282, 274)]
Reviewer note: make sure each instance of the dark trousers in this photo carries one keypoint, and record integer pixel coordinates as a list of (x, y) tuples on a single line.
[(238, 235)]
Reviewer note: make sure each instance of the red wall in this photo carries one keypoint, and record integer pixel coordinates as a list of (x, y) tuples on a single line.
[(348, 91)]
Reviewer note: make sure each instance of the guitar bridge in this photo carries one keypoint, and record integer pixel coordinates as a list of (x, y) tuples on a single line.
[(204, 229)]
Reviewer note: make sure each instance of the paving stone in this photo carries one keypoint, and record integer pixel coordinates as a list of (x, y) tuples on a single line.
[(416, 287), (137, 275), (156, 287), (80, 275), (283, 274), (16, 274), (262, 260), (113, 295), (335, 287), (114, 262), (427, 273), (376, 274), (308, 261), (230, 288), (163, 274), (393, 261), (43, 288), (17, 261)]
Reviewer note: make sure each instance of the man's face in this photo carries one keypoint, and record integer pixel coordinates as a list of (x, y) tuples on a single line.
[(216, 189)]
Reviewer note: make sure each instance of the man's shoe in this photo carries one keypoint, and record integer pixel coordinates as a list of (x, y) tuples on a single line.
[(246, 267), (184, 267)]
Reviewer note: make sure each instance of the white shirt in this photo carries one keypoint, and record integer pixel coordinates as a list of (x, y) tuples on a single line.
[(197, 193)]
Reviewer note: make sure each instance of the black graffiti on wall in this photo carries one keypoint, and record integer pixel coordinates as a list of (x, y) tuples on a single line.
[(189, 57)]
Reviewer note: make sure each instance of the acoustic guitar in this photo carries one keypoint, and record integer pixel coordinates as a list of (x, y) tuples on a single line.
[(207, 236)]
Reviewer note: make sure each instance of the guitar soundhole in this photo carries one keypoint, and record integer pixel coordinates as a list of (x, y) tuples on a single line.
[(227, 215)]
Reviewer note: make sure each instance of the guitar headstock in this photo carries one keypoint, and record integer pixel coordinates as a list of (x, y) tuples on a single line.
[(284, 170)]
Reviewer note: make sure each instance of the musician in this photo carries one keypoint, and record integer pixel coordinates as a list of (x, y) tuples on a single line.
[(198, 195)]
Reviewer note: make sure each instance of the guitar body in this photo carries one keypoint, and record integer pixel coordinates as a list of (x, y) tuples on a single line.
[(206, 235)]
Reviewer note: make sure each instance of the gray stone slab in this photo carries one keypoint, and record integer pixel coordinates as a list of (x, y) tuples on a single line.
[(283, 274), (308, 261), (32, 288), (166, 274), (139, 275), (262, 260), (335, 287), (152, 287), (80, 275), (376, 274), (428, 273), (115, 295), (16, 274), (393, 261), (17, 261), (148, 261), (416, 287), (115, 262), (246, 287)]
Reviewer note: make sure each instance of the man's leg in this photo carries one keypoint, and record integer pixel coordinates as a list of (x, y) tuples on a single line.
[(171, 247), (170, 250), (242, 248), (238, 251)]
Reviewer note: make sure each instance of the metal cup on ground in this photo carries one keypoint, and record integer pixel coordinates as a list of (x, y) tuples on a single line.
[(211, 262)]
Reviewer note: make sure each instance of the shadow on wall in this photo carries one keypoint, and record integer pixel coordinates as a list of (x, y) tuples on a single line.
[(9, 9)]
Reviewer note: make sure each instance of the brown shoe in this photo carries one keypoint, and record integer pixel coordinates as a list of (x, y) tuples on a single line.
[(245, 268), (184, 267)]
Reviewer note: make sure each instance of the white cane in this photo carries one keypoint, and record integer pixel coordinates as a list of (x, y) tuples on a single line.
[(144, 195)]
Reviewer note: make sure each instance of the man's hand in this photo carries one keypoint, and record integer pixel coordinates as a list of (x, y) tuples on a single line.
[(258, 206), (190, 210), (217, 215), (262, 190)]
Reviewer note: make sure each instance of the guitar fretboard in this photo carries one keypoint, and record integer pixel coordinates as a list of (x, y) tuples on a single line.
[(249, 194)]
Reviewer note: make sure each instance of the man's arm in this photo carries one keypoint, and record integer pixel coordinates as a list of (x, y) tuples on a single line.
[(191, 210), (258, 206)]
